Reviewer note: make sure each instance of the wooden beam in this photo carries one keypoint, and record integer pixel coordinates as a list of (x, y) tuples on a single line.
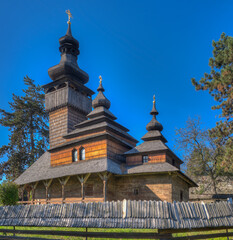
[(86, 177), (22, 194), (63, 182), (104, 177), (33, 191), (47, 184), (101, 234), (83, 180)]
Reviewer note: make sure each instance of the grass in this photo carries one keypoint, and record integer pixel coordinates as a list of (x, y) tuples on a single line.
[(103, 230)]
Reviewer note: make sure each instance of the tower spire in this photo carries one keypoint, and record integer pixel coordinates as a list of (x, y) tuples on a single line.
[(154, 124), (68, 67), (69, 16), (100, 99), (68, 33)]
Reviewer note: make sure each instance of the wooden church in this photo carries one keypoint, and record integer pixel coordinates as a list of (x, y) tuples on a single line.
[(92, 157)]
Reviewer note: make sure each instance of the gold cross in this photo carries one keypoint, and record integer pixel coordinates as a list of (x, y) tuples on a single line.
[(100, 78), (154, 99), (69, 15)]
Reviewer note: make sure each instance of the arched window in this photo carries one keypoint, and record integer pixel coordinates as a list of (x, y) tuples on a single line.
[(74, 155), (82, 153)]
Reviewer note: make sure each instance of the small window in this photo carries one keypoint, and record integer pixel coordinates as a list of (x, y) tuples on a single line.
[(145, 158), (173, 162), (74, 155), (181, 196), (135, 191), (82, 153)]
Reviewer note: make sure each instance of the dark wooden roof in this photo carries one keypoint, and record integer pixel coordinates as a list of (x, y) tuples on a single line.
[(42, 170), (148, 146), (121, 214)]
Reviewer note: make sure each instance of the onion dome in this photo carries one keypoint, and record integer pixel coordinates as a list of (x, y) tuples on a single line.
[(68, 44), (154, 124), (101, 100), (68, 67)]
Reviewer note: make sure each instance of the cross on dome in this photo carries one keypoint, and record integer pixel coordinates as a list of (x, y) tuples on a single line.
[(69, 15)]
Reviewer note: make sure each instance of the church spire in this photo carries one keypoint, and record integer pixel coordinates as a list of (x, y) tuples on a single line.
[(101, 100), (69, 23), (68, 67), (154, 124)]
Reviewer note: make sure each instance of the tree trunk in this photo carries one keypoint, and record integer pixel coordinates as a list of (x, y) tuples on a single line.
[(32, 138), (214, 183)]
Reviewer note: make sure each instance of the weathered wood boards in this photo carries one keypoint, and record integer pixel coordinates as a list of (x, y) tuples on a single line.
[(137, 214)]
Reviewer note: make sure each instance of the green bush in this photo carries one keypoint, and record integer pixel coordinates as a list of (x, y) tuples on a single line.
[(8, 193)]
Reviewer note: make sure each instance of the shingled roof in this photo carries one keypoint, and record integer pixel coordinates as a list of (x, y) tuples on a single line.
[(121, 214), (42, 170)]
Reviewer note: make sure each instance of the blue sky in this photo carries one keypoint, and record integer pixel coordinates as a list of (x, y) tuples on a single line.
[(140, 48)]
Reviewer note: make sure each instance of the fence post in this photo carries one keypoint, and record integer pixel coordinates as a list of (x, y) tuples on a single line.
[(227, 234), (14, 231), (86, 231)]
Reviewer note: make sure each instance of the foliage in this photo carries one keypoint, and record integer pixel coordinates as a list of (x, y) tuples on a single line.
[(8, 193), (219, 83), (27, 123), (201, 154)]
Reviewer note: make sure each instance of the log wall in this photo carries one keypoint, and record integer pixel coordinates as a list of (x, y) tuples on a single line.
[(162, 187), (141, 187), (93, 150)]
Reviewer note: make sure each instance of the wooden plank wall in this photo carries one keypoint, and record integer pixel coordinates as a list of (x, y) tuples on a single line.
[(152, 158), (149, 187), (116, 150), (93, 150)]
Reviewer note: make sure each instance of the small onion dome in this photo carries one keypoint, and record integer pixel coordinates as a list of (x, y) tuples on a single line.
[(154, 124), (100, 99), (68, 44)]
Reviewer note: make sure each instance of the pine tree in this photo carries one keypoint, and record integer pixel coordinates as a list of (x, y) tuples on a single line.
[(27, 123), (219, 83)]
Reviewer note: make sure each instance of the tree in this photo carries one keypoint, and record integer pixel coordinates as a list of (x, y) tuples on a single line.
[(27, 123), (200, 152), (8, 193), (219, 83)]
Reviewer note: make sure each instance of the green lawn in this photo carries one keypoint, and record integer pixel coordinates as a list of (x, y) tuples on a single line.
[(101, 230)]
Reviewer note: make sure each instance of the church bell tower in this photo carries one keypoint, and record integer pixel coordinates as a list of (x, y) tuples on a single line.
[(67, 99)]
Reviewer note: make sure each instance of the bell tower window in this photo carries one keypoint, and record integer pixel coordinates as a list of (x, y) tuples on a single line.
[(82, 153), (145, 158), (74, 155)]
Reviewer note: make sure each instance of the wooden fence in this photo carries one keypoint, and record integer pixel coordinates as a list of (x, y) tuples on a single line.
[(159, 234), (163, 219)]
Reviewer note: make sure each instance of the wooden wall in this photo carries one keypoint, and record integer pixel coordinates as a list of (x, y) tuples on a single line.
[(178, 186), (93, 150), (61, 122), (149, 187), (162, 187), (152, 158), (115, 150)]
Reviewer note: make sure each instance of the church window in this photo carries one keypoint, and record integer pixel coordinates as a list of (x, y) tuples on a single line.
[(82, 153), (173, 162), (74, 155), (145, 158), (136, 191), (181, 195)]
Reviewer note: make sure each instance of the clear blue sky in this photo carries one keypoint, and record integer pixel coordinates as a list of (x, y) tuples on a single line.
[(140, 48)]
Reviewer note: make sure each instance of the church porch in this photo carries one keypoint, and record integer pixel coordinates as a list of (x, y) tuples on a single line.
[(71, 189)]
